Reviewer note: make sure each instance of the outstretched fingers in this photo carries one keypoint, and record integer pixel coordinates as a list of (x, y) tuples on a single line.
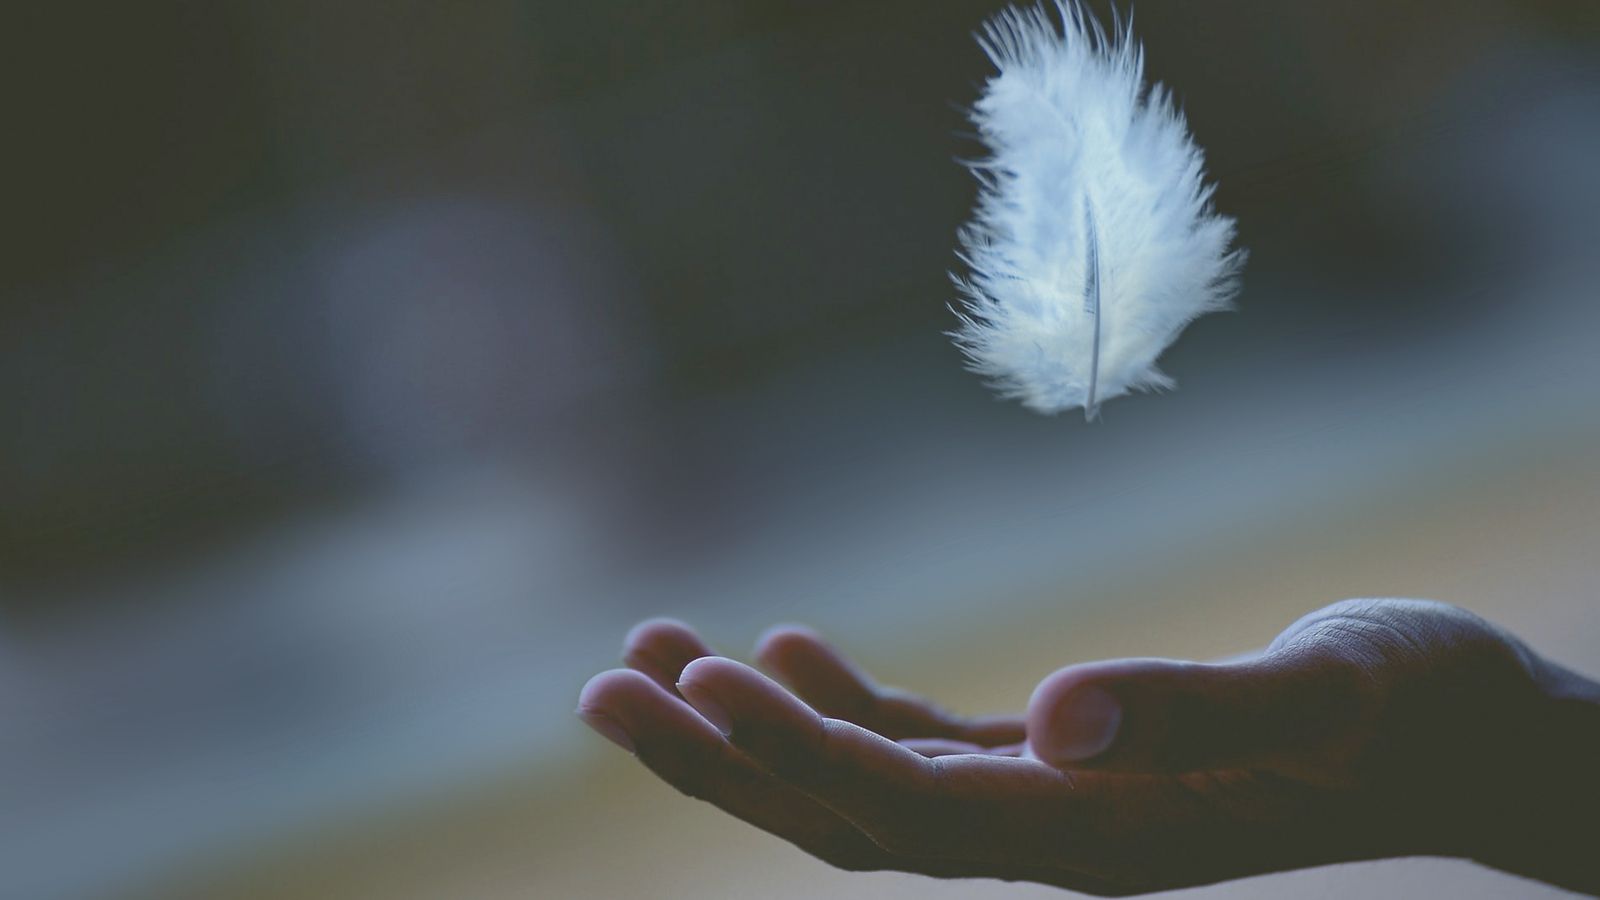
[(974, 808), (836, 687), (686, 752), (792, 740), (1148, 786)]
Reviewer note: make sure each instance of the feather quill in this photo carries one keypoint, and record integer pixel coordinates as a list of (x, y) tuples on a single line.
[(1094, 242)]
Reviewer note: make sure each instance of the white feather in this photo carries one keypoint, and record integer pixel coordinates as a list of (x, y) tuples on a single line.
[(1085, 162)]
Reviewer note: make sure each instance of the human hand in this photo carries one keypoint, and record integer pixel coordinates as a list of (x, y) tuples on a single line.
[(1367, 729)]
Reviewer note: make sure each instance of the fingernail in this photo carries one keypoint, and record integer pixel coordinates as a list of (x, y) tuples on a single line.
[(607, 728), (1083, 726), (707, 706)]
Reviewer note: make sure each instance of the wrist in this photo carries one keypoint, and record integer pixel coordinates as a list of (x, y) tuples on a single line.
[(1545, 810)]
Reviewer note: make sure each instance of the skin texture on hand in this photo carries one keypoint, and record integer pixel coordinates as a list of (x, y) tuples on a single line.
[(1369, 729)]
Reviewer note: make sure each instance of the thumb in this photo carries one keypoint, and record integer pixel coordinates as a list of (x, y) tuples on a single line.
[(1290, 711)]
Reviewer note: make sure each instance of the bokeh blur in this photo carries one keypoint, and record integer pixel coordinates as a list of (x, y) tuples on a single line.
[(369, 368)]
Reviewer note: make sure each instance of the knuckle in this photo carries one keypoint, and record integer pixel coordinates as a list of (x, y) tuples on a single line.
[(1397, 640)]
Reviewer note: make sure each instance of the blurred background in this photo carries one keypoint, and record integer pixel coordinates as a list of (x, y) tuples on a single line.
[(368, 368)]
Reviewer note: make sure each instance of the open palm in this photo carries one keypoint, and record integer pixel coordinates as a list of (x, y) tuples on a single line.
[(1354, 736)]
